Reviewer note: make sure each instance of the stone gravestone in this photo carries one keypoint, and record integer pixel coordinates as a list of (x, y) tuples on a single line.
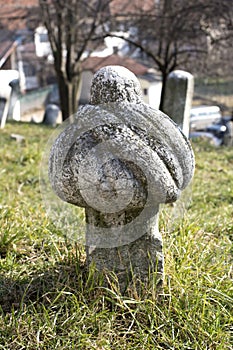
[(14, 107), (120, 159), (9, 96), (51, 114), (178, 98)]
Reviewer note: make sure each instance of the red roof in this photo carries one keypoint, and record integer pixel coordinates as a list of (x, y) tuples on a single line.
[(18, 4), (95, 63), (5, 47), (15, 15), (122, 7)]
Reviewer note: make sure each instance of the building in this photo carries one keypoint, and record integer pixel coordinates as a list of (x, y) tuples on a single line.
[(18, 21), (24, 46), (150, 81)]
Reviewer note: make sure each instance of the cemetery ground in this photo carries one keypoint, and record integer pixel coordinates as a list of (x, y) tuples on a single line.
[(49, 301)]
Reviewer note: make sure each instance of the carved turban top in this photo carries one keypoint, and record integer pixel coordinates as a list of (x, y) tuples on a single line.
[(120, 154)]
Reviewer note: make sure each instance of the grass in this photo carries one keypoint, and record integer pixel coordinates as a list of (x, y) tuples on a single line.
[(48, 300)]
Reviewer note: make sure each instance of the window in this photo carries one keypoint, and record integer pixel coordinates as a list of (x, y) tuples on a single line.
[(44, 38), (145, 92)]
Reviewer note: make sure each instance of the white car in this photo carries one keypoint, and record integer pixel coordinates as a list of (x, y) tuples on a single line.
[(203, 116)]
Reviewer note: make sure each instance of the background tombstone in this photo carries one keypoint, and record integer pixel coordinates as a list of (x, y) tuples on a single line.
[(51, 114), (120, 159), (9, 96), (178, 98), (14, 108)]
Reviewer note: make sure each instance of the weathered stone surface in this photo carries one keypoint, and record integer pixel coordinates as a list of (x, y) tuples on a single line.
[(119, 160), (115, 85), (178, 98)]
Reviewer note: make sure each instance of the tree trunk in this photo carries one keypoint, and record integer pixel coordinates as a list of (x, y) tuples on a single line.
[(68, 93), (164, 83)]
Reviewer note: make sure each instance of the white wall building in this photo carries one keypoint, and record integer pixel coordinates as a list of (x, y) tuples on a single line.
[(43, 48)]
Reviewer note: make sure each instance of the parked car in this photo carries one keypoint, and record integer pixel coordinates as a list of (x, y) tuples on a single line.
[(203, 116), (219, 133), (223, 131)]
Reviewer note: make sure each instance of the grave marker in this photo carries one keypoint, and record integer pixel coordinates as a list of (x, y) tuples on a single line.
[(120, 159), (178, 98)]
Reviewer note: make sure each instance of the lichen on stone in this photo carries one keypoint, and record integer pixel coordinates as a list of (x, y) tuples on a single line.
[(115, 84)]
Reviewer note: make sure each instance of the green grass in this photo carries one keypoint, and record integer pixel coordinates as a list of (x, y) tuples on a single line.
[(48, 300)]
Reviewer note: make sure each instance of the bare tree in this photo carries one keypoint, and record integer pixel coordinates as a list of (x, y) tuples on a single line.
[(217, 24), (172, 33), (73, 27)]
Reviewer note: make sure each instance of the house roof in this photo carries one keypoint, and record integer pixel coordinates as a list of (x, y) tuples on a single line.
[(122, 7), (6, 49), (95, 63), (16, 15)]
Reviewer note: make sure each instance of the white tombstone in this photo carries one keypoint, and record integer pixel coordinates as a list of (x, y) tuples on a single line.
[(178, 98), (11, 106)]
